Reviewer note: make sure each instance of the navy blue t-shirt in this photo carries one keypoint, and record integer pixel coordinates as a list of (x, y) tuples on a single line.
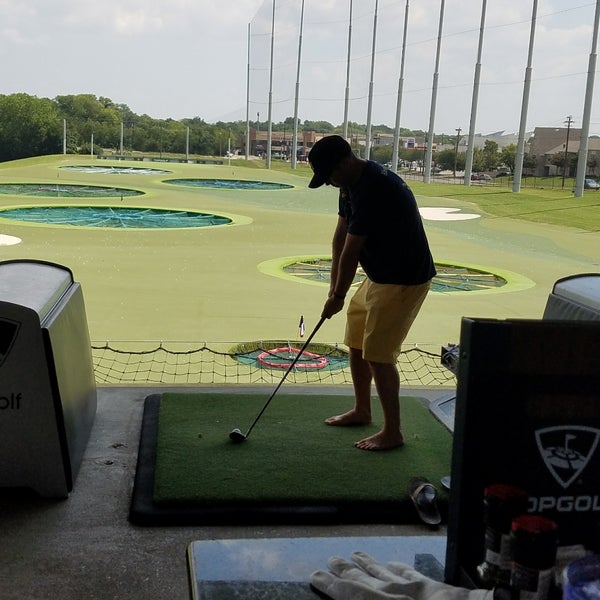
[(381, 207)]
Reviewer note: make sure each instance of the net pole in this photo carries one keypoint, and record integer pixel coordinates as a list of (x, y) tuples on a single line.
[(434, 90), (347, 92), (270, 117), (400, 93), (295, 135), (248, 98), (370, 103)]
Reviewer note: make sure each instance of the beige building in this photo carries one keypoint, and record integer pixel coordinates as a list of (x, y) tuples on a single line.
[(547, 142)]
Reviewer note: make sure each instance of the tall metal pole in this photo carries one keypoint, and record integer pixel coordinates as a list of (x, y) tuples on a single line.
[(248, 99), (516, 186), (587, 110), (270, 130), (347, 93), (64, 136), (429, 143), (474, 100), (399, 100), (370, 102), (295, 134)]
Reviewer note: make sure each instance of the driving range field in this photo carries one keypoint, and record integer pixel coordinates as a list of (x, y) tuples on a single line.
[(225, 282)]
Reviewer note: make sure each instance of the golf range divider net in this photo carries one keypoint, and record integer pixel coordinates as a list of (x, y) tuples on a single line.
[(185, 363)]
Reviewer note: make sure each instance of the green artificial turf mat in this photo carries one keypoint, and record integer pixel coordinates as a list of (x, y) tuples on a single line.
[(291, 457)]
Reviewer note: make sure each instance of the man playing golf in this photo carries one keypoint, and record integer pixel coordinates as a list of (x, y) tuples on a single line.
[(380, 228)]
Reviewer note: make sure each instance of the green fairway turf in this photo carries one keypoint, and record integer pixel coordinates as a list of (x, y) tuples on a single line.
[(291, 455), (554, 206), (206, 284)]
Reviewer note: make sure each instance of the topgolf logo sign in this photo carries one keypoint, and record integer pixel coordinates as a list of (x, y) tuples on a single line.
[(567, 450)]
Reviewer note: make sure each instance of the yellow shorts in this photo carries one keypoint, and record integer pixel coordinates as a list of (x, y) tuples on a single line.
[(379, 317)]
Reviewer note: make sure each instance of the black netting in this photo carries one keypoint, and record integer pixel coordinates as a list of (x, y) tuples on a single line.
[(182, 363)]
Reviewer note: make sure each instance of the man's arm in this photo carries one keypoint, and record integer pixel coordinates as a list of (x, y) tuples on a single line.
[(337, 245), (344, 272), (348, 263)]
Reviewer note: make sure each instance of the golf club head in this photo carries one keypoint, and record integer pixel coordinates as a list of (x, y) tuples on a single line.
[(237, 437)]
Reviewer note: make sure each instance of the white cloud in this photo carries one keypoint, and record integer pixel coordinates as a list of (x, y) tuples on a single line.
[(181, 58), (131, 22)]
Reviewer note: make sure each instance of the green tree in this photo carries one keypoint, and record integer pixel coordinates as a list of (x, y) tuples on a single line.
[(529, 163), (490, 155), (508, 155), (381, 154), (86, 115), (445, 159), (479, 163), (29, 126), (319, 126)]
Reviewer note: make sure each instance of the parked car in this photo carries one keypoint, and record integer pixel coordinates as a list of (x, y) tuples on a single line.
[(591, 184), (480, 177)]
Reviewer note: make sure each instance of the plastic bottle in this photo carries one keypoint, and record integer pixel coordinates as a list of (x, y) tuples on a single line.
[(501, 504), (533, 541), (581, 579)]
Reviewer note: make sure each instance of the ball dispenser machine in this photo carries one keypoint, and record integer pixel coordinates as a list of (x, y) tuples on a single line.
[(47, 385)]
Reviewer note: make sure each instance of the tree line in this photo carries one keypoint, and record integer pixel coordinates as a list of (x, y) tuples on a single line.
[(32, 126)]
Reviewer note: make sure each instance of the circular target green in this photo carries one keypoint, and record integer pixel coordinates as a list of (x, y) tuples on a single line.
[(450, 278)]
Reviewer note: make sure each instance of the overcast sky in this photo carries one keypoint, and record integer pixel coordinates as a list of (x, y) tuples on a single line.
[(189, 58)]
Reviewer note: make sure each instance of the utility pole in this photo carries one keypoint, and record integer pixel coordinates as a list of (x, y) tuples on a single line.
[(257, 132), (458, 130), (569, 121)]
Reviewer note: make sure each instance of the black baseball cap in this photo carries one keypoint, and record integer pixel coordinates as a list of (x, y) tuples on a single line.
[(324, 157)]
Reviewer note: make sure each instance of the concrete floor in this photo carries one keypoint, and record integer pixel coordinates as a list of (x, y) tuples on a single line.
[(85, 548)]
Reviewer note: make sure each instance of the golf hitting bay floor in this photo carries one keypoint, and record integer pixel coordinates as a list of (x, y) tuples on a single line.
[(292, 469)]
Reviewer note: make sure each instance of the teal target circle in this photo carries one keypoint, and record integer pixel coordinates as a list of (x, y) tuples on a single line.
[(66, 190), (229, 184), (116, 217)]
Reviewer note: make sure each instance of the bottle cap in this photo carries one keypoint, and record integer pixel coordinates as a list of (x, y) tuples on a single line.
[(502, 503), (535, 540)]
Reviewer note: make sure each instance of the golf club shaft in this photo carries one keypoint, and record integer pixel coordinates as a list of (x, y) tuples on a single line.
[(304, 347)]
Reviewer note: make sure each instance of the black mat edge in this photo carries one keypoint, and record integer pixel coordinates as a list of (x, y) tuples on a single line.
[(144, 511)]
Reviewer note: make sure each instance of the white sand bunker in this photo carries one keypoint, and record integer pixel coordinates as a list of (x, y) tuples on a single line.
[(9, 240), (435, 213)]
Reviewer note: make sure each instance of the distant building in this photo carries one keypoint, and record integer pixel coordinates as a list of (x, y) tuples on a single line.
[(546, 142), (281, 143), (543, 144), (545, 166), (500, 137)]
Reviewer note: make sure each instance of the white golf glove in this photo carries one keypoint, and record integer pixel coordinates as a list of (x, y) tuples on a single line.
[(365, 579)]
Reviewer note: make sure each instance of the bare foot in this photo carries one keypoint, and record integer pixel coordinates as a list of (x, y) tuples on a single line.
[(381, 441), (352, 417)]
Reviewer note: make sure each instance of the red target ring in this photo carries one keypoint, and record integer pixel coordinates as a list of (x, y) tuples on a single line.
[(267, 359)]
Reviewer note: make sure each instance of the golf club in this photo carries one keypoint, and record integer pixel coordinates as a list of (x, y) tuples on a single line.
[(236, 435)]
